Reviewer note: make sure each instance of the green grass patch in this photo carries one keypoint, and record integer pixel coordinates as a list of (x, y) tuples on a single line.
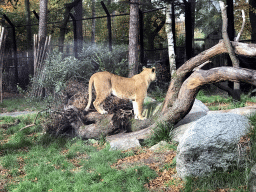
[(235, 180), (37, 162), (23, 104), (217, 102), (160, 133)]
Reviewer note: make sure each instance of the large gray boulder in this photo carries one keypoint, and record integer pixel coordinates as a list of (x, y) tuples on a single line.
[(198, 111), (210, 144), (252, 179)]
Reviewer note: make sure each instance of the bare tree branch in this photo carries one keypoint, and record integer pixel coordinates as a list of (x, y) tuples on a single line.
[(242, 28)]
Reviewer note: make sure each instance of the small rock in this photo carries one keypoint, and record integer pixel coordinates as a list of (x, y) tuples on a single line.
[(161, 145), (124, 144)]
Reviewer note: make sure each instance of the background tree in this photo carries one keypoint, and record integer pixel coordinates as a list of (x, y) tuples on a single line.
[(253, 18), (42, 32), (134, 38)]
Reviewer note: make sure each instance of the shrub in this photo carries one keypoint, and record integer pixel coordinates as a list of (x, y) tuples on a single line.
[(59, 69)]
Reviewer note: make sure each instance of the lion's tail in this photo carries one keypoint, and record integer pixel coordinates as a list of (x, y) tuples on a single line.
[(90, 94)]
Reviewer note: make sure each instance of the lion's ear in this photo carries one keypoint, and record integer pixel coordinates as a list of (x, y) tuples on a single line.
[(143, 67), (153, 69)]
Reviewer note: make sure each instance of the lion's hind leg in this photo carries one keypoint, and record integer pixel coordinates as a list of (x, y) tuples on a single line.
[(98, 103)]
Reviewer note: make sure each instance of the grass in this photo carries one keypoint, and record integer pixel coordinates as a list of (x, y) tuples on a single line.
[(32, 161), (37, 162), (217, 102), (22, 104)]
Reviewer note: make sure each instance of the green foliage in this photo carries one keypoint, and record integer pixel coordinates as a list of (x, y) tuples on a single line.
[(208, 16), (158, 94), (180, 40), (59, 69), (160, 133), (113, 61)]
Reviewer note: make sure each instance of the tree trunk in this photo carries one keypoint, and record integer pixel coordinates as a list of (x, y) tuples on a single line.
[(252, 15), (189, 26), (134, 38), (42, 32), (170, 35), (229, 34)]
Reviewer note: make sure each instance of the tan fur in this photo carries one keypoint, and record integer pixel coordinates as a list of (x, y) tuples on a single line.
[(134, 88)]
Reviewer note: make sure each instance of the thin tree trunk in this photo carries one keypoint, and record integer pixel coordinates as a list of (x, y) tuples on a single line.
[(42, 32), (168, 28), (235, 61), (134, 38)]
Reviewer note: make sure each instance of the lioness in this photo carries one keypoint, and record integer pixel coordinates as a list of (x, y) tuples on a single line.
[(134, 88)]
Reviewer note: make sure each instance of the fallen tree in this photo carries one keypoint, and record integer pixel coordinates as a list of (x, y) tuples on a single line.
[(180, 96)]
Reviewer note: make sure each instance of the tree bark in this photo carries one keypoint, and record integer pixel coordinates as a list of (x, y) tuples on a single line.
[(170, 35), (42, 33), (134, 38), (225, 29)]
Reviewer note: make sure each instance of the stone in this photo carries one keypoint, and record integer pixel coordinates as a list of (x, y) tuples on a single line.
[(124, 144), (210, 144), (198, 110), (246, 111), (252, 179), (159, 146)]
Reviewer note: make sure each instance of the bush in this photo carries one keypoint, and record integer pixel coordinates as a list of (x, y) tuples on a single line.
[(59, 69), (102, 59)]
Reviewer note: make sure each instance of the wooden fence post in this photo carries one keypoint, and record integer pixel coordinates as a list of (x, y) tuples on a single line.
[(40, 52), (3, 34)]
